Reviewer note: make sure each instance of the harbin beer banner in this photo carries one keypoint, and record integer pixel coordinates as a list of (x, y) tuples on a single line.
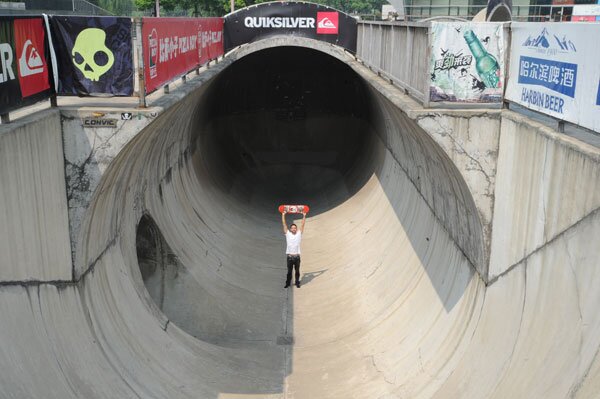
[(94, 55), (174, 46), (555, 69), (467, 62), (289, 18), (24, 71)]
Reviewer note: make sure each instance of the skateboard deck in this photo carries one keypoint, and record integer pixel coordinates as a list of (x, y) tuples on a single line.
[(294, 208)]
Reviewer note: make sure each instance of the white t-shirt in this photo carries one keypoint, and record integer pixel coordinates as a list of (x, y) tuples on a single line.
[(293, 242)]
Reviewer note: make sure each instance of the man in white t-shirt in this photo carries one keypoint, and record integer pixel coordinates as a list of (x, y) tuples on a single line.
[(293, 237)]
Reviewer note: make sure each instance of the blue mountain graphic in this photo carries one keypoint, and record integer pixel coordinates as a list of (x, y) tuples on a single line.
[(540, 41), (565, 44)]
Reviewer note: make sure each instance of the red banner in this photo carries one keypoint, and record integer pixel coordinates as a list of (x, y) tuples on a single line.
[(174, 46), (31, 60), (24, 66)]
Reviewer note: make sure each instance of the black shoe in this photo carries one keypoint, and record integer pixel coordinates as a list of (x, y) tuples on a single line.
[(298, 284), (286, 285)]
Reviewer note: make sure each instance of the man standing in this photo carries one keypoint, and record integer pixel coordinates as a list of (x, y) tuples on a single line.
[(293, 237)]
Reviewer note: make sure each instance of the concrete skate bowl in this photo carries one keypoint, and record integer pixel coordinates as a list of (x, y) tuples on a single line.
[(182, 258)]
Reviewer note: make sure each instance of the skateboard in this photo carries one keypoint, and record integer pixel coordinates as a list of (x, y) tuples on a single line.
[(293, 208)]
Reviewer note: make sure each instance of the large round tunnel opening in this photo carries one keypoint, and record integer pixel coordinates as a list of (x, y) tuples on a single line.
[(285, 125), (295, 125)]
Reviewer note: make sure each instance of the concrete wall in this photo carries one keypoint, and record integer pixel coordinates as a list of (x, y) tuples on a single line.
[(465, 143), (34, 229), (546, 183), (89, 151)]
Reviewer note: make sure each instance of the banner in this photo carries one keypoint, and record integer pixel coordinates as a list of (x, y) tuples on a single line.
[(586, 12), (554, 70), (309, 20), (24, 70), (94, 55), (174, 46), (467, 62)]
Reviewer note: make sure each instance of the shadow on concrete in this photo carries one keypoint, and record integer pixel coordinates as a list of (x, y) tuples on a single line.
[(310, 276)]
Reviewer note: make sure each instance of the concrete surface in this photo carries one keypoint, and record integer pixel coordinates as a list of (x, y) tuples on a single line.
[(34, 227), (395, 301)]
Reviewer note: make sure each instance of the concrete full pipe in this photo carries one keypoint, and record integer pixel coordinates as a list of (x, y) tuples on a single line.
[(181, 269)]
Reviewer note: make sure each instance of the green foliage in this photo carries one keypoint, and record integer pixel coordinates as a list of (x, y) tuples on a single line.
[(207, 8), (117, 7)]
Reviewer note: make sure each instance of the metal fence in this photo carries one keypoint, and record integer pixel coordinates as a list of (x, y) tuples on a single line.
[(397, 51), (58, 7), (520, 12)]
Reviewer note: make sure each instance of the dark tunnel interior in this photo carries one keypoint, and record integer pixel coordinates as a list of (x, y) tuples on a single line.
[(283, 125), (286, 125)]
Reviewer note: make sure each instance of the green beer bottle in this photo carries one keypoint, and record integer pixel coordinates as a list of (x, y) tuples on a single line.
[(485, 63)]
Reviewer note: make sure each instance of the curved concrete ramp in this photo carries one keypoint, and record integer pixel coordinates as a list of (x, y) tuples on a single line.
[(390, 307)]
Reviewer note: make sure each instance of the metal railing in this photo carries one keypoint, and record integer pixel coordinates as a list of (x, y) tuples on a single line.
[(397, 51), (526, 13), (58, 7)]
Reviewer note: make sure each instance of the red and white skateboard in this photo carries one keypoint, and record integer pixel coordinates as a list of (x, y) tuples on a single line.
[(293, 208)]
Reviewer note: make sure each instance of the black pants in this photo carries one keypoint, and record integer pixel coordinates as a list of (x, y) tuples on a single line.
[(293, 260)]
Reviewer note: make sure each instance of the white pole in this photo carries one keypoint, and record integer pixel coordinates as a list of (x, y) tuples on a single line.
[(157, 6)]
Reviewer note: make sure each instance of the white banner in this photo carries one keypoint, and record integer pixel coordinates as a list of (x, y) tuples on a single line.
[(555, 69), (467, 62)]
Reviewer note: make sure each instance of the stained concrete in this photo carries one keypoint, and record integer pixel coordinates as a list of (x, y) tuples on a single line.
[(396, 300)]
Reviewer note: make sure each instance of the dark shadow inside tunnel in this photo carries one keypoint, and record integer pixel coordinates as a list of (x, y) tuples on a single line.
[(287, 125)]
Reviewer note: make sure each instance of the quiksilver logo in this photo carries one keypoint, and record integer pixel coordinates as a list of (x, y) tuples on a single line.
[(326, 23), (279, 22)]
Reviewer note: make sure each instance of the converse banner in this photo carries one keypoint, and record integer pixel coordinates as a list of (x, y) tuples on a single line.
[(290, 18)]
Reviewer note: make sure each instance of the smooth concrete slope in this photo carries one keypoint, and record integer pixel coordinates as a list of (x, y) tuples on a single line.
[(391, 305)]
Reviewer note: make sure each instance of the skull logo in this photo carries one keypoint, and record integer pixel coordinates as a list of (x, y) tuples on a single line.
[(90, 54)]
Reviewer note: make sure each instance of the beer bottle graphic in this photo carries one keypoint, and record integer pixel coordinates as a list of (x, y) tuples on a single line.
[(485, 63)]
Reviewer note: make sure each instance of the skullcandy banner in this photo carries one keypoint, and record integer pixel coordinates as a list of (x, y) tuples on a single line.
[(24, 70), (554, 69), (309, 20), (467, 62), (94, 55), (174, 46)]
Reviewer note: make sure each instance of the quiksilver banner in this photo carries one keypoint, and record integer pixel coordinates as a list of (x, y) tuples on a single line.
[(309, 20), (24, 70), (94, 55)]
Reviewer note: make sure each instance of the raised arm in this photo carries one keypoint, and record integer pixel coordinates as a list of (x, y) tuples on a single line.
[(283, 222), (303, 222)]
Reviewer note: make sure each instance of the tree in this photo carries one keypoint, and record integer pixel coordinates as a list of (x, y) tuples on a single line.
[(206, 8), (199, 8)]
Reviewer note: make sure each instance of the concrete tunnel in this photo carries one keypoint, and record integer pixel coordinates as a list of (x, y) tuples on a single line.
[(289, 125), (181, 259)]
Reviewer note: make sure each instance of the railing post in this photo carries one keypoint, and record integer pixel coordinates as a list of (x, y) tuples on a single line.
[(426, 79), (392, 45), (140, 60), (406, 74)]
